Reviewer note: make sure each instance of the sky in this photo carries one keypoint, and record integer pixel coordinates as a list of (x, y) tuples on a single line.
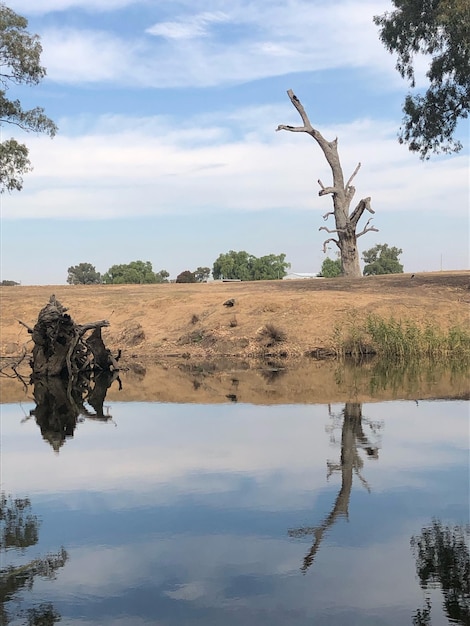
[(167, 150)]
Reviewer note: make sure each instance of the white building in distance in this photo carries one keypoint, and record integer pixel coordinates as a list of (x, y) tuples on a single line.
[(300, 275)]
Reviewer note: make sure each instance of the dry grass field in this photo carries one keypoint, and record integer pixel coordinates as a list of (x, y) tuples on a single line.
[(179, 326), (179, 320)]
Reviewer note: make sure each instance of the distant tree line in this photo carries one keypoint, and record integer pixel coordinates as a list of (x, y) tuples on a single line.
[(136, 272), (381, 259), (232, 265)]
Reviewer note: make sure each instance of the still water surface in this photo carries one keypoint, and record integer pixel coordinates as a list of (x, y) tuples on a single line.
[(230, 514)]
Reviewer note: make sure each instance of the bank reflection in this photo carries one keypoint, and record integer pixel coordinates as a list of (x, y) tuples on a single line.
[(60, 408), (19, 531), (353, 441)]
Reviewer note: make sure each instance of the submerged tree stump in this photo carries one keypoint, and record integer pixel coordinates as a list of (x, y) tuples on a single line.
[(62, 349)]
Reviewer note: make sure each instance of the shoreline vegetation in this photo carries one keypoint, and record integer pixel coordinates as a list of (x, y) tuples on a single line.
[(401, 340)]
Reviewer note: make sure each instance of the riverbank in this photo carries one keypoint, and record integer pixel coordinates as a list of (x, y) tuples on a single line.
[(287, 319)]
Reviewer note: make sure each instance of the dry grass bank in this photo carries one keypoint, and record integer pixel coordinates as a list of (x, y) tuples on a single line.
[(191, 321)]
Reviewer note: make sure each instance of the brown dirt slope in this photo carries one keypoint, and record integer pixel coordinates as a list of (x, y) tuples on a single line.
[(178, 320)]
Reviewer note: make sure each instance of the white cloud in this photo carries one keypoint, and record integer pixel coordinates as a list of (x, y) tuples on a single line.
[(136, 166), (73, 56), (196, 26), (259, 40)]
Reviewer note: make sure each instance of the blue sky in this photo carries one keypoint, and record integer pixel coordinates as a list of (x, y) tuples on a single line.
[(167, 150)]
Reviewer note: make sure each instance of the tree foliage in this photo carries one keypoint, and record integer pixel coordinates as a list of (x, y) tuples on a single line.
[(9, 283), (135, 273), (202, 274), (381, 259), (244, 266), (83, 274), (186, 277), (331, 268), (441, 30), (20, 54), (162, 276)]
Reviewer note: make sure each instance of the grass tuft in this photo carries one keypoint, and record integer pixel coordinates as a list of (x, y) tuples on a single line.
[(272, 334)]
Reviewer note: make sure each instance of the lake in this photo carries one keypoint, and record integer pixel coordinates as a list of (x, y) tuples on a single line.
[(230, 512)]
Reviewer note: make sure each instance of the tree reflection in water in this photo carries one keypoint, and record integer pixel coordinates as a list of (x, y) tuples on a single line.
[(19, 531), (443, 560), (353, 439), (59, 408)]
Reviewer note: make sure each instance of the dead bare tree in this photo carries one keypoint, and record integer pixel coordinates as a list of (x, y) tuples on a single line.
[(342, 194)]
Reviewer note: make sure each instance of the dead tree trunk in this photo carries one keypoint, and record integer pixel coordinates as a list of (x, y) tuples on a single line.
[(342, 194), (62, 349)]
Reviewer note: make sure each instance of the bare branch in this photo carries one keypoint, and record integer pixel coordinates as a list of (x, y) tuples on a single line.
[(367, 228), (82, 328), (325, 145), (292, 129), (362, 206), (350, 191), (28, 328), (367, 206), (307, 127), (327, 215), (328, 241), (335, 230), (352, 176), (13, 363), (326, 190)]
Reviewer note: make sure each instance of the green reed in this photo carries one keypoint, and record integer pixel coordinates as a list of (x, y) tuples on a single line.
[(399, 339)]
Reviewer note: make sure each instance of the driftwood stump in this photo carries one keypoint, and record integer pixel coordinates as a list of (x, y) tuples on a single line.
[(70, 366), (62, 349)]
